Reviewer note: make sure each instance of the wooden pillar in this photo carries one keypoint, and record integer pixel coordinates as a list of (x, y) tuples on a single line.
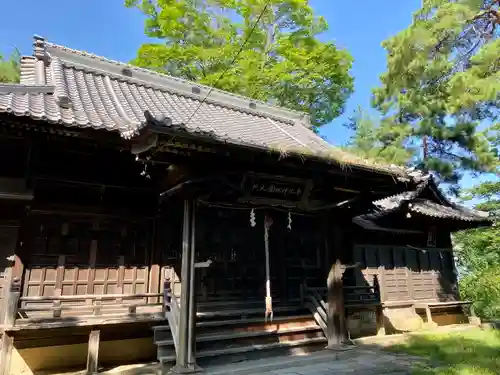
[(93, 352), (92, 261), (11, 293), (12, 266), (182, 352), (336, 310), (185, 330), (155, 261), (336, 329), (6, 346), (428, 314), (192, 297), (379, 316), (379, 311), (10, 305)]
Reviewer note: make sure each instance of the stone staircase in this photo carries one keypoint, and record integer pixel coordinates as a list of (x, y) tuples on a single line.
[(236, 331)]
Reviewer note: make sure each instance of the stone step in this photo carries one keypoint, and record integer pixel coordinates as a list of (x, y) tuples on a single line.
[(225, 335), (261, 320), (246, 303), (163, 332), (244, 339), (247, 312), (169, 356)]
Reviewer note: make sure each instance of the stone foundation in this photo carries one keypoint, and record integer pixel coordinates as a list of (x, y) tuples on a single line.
[(46, 360), (401, 320)]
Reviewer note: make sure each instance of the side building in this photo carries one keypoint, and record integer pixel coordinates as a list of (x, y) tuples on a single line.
[(141, 215)]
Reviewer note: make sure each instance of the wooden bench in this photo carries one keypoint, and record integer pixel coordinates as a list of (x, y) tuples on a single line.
[(434, 305)]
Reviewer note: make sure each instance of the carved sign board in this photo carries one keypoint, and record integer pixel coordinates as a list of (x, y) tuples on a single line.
[(264, 187)]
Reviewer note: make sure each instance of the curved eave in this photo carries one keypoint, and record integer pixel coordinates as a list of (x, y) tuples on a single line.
[(162, 126)]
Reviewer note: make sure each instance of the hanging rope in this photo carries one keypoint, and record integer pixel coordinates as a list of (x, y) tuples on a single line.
[(269, 302)]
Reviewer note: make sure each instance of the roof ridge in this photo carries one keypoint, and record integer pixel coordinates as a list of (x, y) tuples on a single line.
[(188, 87), (26, 88)]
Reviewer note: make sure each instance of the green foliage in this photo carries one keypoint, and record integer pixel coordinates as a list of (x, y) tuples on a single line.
[(9, 68), (483, 287), (443, 81), (479, 249), (283, 61), (378, 141), (471, 352), (478, 252), (489, 193)]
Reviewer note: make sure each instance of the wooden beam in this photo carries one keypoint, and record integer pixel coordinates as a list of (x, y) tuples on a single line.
[(106, 320), (93, 352)]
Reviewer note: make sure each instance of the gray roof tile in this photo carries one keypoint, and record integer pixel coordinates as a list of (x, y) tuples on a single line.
[(93, 92), (440, 207), (430, 208)]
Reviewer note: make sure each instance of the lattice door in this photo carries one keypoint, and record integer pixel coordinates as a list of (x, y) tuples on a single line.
[(71, 256), (58, 251)]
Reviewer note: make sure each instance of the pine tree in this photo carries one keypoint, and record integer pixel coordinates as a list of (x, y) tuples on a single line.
[(379, 141), (442, 85)]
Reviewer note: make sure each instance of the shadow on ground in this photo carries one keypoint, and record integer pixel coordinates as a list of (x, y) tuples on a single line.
[(473, 352)]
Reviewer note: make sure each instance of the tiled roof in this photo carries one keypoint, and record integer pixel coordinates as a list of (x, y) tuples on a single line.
[(430, 208), (394, 202), (89, 91), (412, 201)]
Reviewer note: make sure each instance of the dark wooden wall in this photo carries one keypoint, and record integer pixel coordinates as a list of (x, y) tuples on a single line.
[(90, 227), (238, 251), (78, 255), (406, 268), (94, 227)]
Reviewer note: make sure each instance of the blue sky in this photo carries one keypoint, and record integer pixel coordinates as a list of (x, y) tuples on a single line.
[(107, 28)]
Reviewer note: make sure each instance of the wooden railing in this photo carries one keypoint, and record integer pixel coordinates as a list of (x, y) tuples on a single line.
[(314, 299), (366, 297), (9, 306), (171, 311), (20, 310), (358, 296), (93, 304)]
